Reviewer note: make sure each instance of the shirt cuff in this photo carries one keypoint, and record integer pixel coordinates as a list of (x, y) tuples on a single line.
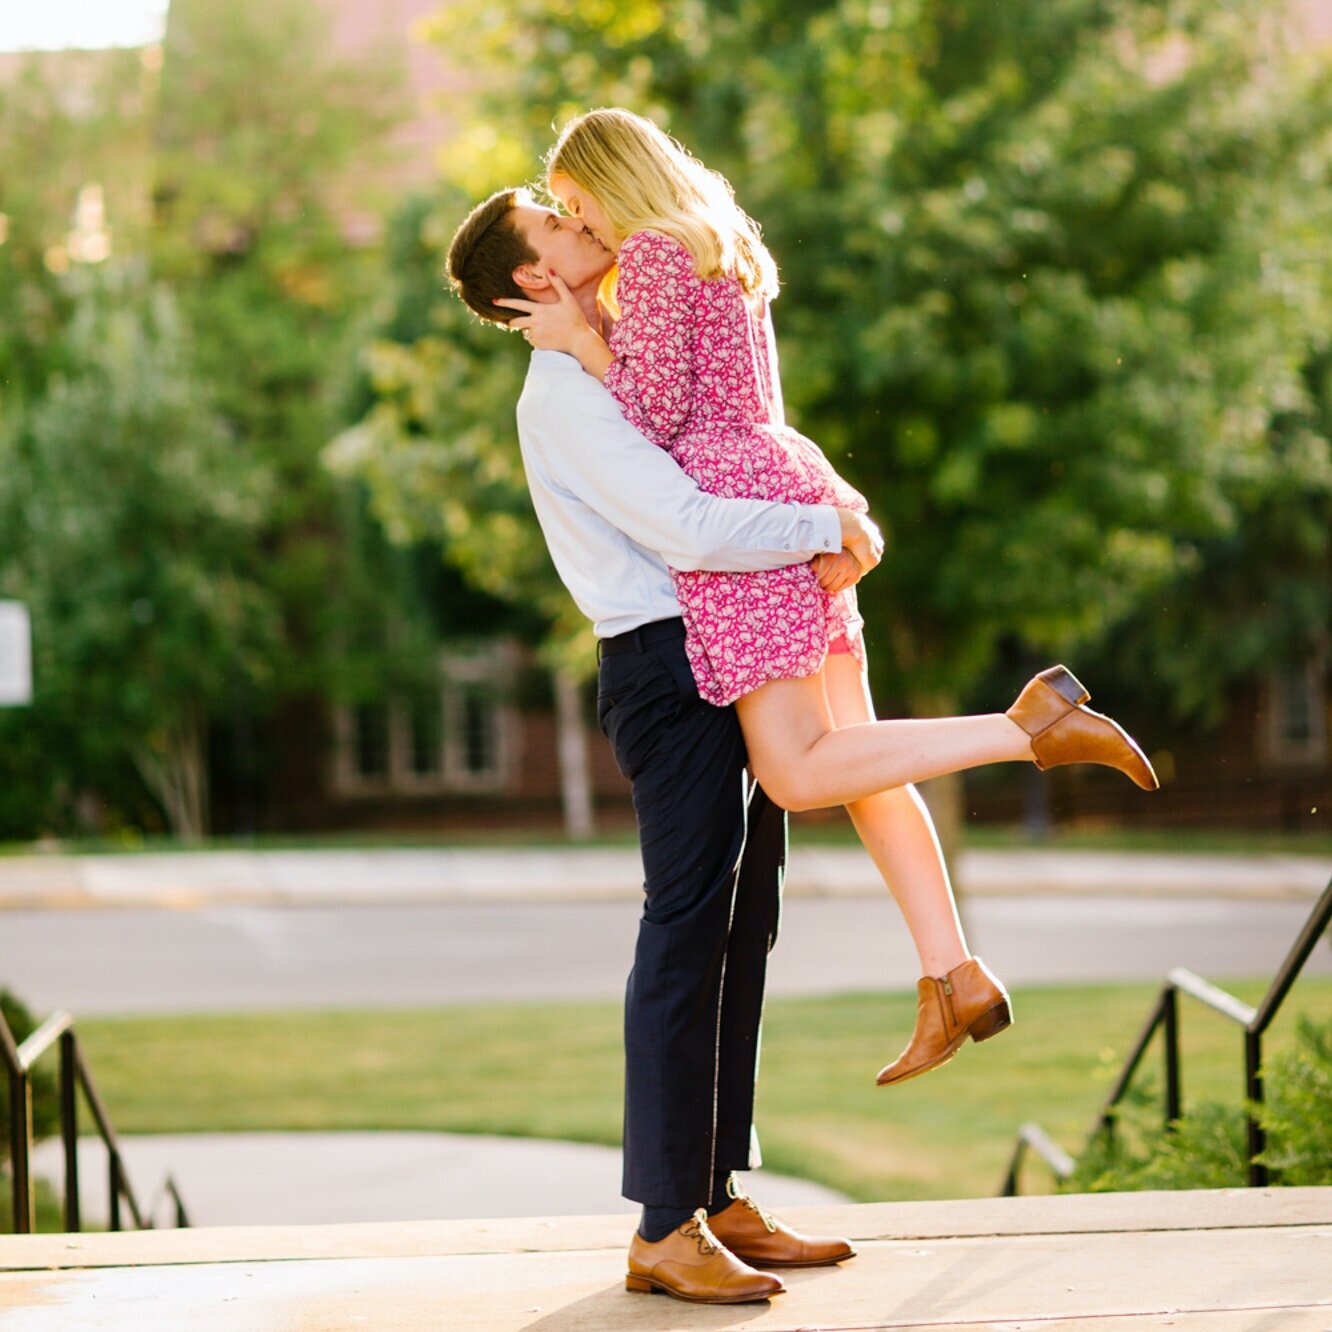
[(823, 525)]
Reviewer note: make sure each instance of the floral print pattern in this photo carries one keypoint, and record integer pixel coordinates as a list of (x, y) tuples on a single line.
[(695, 370)]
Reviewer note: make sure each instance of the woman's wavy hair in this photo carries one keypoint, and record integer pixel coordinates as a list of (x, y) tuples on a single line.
[(645, 180)]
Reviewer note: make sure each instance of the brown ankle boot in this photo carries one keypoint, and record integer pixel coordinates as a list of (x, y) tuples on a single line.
[(969, 1001), (1050, 710)]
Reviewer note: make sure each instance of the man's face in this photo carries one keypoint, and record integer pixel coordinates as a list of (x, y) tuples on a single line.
[(563, 245)]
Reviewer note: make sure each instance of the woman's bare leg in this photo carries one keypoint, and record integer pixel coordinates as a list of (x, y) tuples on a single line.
[(897, 831), (802, 762)]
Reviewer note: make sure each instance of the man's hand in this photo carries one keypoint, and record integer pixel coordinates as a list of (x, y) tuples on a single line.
[(862, 538), (836, 572)]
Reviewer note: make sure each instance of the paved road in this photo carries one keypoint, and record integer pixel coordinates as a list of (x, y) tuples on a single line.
[(213, 952), (219, 958)]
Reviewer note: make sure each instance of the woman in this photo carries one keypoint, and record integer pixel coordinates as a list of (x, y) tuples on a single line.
[(692, 364)]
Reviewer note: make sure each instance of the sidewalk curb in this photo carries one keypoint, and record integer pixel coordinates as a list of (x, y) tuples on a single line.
[(198, 880)]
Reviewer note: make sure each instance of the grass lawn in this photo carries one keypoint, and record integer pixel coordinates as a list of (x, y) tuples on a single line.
[(554, 1070)]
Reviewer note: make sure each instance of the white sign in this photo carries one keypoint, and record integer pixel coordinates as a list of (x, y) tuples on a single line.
[(15, 654)]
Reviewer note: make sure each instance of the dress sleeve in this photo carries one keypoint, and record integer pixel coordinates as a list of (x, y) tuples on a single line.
[(652, 376)]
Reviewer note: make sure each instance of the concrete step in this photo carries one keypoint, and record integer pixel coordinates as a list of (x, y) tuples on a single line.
[(1206, 1261)]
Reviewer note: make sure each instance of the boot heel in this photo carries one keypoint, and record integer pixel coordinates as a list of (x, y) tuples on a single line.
[(1065, 684), (991, 1022), (638, 1283)]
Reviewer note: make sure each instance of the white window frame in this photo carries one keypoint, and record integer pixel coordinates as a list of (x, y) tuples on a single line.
[(1280, 749), (462, 666)]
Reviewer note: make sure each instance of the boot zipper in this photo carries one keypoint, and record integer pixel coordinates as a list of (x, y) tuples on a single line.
[(950, 1016)]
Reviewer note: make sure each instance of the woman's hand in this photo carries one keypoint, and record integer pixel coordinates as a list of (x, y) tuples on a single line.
[(836, 572), (557, 325)]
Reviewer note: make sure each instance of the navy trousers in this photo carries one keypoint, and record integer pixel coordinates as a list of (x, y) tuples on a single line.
[(714, 851)]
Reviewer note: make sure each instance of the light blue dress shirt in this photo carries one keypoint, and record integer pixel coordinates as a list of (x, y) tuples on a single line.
[(616, 510)]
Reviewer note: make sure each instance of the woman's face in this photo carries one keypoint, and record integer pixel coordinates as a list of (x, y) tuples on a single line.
[(578, 203)]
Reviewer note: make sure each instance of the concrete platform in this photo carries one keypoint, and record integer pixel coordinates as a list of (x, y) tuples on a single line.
[(1226, 1261)]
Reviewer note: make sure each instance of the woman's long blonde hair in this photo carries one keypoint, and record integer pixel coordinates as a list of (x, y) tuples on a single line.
[(643, 179)]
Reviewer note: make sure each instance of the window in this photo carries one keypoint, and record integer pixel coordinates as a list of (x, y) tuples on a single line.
[(371, 741), (425, 726), (1296, 721), (458, 737), (477, 722)]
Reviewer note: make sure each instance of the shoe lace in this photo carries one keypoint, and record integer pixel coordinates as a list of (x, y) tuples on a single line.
[(697, 1229), (735, 1191)]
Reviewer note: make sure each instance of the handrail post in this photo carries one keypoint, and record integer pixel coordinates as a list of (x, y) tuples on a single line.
[(1014, 1169), (1319, 919), (20, 1136), (182, 1217), (69, 1129), (113, 1185), (16, 1076), (1253, 1091), (1173, 1092)]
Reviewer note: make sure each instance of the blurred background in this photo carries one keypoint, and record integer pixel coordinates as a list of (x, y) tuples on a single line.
[(1056, 298)]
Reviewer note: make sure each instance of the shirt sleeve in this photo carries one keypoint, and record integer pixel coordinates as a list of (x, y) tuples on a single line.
[(652, 374), (592, 452)]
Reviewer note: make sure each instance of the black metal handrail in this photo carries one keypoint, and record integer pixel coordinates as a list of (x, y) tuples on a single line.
[(1164, 1016), (19, 1061)]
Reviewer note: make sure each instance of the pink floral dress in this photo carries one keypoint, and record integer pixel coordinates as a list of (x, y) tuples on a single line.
[(695, 370)]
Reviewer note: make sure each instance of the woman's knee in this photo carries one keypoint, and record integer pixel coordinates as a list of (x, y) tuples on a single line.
[(770, 778), (786, 787)]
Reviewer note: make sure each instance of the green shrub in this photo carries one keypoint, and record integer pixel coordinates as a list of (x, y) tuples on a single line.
[(1207, 1148), (48, 1215), (1298, 1118)]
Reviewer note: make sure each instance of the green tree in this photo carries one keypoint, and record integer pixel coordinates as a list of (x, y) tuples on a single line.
[(190, 563), (1054, 298), (67, 121), (133, 521), (70, 122), (266, 150), (1051, 284)]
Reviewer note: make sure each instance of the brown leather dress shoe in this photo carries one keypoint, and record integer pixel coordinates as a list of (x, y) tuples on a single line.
[(691, 1265), (757, 1236), (969, 1001), (1050, 710)]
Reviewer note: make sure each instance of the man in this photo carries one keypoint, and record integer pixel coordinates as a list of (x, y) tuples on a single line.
[(616, 512)]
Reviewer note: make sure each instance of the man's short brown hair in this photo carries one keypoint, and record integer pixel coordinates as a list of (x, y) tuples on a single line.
[(485, 250)]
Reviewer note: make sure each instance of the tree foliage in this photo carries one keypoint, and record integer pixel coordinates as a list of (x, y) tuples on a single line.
[(1054, 294), (190, 563), (132, 521), (436, 447), (259, 121)]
